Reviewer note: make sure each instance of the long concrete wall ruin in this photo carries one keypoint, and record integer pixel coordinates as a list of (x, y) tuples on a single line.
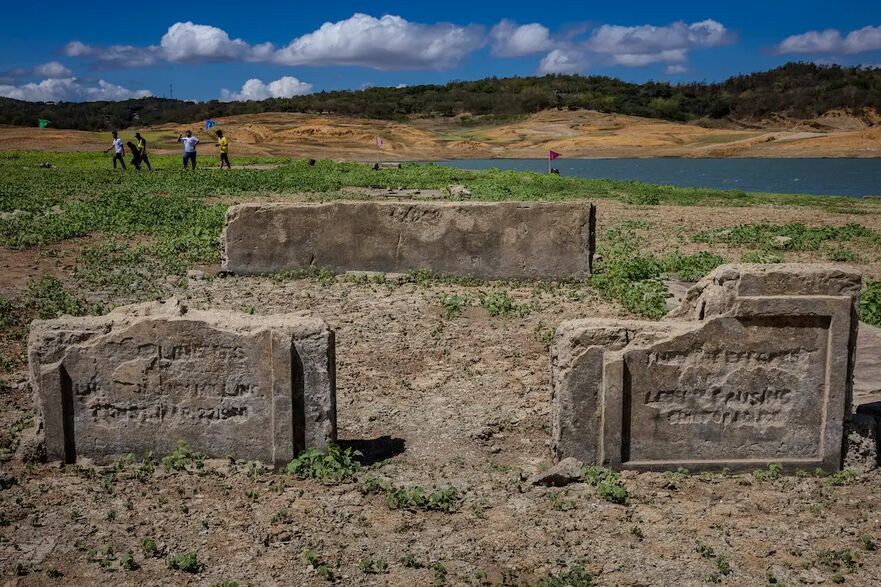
[(145, 377), (755, 367), (539, 240)]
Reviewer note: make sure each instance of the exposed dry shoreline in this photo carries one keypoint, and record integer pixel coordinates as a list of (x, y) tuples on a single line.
[(578, 134)]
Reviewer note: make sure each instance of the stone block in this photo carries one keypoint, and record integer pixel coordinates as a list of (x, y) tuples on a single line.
[(145, 377), (755, 367), (536, 240)]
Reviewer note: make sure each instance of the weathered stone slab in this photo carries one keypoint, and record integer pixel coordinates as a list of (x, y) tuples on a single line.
[(755, 367), (144, 377), (541, 240)]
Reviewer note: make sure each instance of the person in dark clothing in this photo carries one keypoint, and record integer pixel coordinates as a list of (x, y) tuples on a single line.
[(118, 150), (141, 146)]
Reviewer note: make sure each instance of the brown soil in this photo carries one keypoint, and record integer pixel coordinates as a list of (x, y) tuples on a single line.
[(437, 401), (576, 134)]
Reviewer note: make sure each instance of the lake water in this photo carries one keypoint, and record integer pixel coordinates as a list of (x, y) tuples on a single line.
[(835, 177)]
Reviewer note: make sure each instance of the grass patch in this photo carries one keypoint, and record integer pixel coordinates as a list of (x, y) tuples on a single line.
[(787, 237), (608, 483), (48, 298), (635, 279), (870, 303)]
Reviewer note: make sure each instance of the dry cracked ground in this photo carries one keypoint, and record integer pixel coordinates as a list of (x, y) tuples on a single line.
[(434, 399)]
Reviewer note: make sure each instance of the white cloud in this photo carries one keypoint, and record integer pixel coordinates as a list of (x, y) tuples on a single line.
[(831, 41), (510, 40), (188, 42), (563, 61), (70, 89), (52, 70), (125, 56), (390, 42), (675, 69), (255, 89), (636, 46)]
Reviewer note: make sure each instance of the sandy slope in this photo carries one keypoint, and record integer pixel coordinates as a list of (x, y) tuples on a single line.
[(576, 134)]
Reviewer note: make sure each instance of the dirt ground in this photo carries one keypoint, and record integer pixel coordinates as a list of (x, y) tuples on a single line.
[(577, 134), (434, 401)]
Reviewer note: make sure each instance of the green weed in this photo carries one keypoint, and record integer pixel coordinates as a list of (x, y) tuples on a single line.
[(48, 298), (188, 562), (373, 566), (772, 473), (870, 303), (608, 483), (453, 305), (843, 256), (789, 237), (336, 466), (322, 568), (184, 459)]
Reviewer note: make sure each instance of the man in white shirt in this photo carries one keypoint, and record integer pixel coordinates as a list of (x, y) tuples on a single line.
[(118, 150), (190, 143)]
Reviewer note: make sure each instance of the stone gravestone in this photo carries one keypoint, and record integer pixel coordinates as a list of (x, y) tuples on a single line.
[(145, 377), (755, 367), (487, 240)]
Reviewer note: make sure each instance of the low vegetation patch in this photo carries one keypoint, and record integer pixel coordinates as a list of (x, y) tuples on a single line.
[(786, 237), (870, 303), (608, 483), (442, 499), (335, 466)]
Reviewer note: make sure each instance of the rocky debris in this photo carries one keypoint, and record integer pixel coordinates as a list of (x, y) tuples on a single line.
[(458, 191), (563, 473)]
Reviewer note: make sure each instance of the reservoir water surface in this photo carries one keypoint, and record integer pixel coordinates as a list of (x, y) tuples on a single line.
[(833, 177)]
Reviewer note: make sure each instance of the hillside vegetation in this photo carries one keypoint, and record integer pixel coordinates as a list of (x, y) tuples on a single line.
[(794, 90)]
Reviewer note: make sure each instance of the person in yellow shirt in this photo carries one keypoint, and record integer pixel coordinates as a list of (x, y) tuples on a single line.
[(223, 143)]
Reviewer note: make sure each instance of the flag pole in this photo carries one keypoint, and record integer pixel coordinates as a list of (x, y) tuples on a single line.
[(549, 162)]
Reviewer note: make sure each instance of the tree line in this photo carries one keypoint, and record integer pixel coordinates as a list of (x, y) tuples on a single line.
[(797, 90)]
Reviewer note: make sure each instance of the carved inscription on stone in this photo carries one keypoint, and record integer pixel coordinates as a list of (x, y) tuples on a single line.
[(145, 378), (734, 390)]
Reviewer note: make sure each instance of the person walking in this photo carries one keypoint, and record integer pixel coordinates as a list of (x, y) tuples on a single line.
[(141, 145), (223, 143), (190, 143), (118, 150)]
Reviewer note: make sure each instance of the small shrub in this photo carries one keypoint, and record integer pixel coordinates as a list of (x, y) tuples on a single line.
[(128, 563), (453, 305), (772, 473), (322, 568), (577, 576), (560, 504), (843, 256), (498, 303), (869, 542), (334, 467), (188, 562), (608, 483), (373, 566), (845, 477), (184, 459), (150, 548)]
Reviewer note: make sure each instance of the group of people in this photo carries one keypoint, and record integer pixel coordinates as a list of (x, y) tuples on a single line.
[(138, 150)]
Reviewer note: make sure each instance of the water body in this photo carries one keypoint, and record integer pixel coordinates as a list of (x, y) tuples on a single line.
[(833, 177)]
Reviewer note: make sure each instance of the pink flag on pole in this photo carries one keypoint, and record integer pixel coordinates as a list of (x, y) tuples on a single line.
[(553, 155), (378, 142)]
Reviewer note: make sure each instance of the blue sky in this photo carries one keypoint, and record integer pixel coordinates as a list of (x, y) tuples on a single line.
[(241, 50)]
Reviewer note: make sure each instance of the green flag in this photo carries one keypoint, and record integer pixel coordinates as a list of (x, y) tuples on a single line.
[(43, 123)]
